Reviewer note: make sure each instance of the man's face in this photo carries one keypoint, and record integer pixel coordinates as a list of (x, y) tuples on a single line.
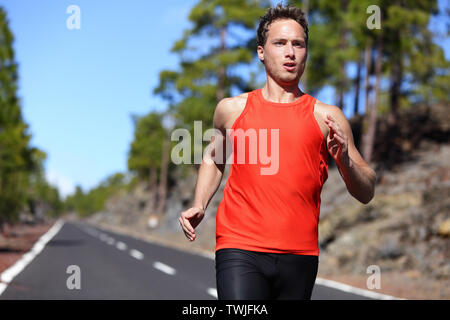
[(284, 53)]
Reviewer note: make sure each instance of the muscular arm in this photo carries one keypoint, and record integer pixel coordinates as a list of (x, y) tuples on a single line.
[(212, 166), (356, 173), (210, 172), (209, 177)]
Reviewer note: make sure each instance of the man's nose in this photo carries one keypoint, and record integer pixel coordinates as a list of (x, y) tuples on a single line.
[(289, 50)]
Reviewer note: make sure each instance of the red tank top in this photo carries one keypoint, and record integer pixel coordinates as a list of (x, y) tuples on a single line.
[(269, 205)]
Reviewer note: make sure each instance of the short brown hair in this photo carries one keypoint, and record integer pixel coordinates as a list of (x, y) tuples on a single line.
[(280, 12)]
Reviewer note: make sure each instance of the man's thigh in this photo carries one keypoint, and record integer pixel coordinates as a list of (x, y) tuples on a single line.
[(296, 275), (239, 277)]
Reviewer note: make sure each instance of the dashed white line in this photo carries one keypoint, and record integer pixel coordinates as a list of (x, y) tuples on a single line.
[(136, 254), (121, 246), (164, 268), (169, 270), (91, 232), (212, 292), (103, 237), (110, 241)]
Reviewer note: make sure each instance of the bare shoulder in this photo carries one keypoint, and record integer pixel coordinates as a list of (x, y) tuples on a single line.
[(324, 109), (336, 113), (228, 109), (232, 102)]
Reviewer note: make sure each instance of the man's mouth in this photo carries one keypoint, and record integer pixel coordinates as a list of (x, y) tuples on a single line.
[(289, 66)]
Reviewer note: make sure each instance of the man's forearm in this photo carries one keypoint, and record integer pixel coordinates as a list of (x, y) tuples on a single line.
[(208, 181), (360, 180)]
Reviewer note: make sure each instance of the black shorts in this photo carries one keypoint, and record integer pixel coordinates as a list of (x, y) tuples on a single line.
[(251, 275)]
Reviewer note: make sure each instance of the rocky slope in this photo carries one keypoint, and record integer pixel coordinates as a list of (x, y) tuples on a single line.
[(404, 230)]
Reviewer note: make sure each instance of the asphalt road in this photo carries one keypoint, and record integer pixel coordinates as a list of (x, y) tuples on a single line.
[(115, 266)]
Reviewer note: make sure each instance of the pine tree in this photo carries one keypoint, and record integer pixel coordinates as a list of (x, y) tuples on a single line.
[(147, 155), (222, 38), (330, 48), (16, 156)]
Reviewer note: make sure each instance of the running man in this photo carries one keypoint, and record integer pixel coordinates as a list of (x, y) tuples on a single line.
[(267, 224)]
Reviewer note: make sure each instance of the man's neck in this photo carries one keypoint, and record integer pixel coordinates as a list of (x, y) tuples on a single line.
[(276, 92)]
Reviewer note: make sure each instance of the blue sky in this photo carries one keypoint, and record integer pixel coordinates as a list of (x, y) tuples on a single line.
[(78, 88)]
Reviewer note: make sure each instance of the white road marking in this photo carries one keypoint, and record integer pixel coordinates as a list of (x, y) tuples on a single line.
[(103, 237), (358, 291), (110, 241), (8, 275), (319, 281), (212, 292), (336, 285), (164, 268), (121, 246), (136, 254)]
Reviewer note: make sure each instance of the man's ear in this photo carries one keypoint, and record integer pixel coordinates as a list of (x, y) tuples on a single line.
[(260, 51)]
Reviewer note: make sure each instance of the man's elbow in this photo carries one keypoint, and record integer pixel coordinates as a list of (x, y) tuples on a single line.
[(368, 195), (366, 199), (365, 195)]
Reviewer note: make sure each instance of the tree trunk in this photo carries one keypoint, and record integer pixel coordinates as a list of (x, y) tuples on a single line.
[(5, 229), (372, 121), (340, 87), (357, 87), (1, 229), (342, 46), (368, 88), (396, 81), (152, 188), (368, 65), (162, 189), (304, 78)]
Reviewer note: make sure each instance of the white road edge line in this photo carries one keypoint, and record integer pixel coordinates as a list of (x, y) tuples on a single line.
[(354, 290), (136, 254), (8, 275), (164, 268), (337, 285)]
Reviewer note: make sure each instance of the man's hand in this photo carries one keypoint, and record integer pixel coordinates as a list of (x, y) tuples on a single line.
[(189, 220), (337, 142), (357, 174)]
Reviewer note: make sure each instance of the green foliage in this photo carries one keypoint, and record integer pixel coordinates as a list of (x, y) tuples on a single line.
[(23, 186), (41, 195), (16, 161), (339, 35), (210, 53), (409, 46), (146, 148), (94, 200)]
